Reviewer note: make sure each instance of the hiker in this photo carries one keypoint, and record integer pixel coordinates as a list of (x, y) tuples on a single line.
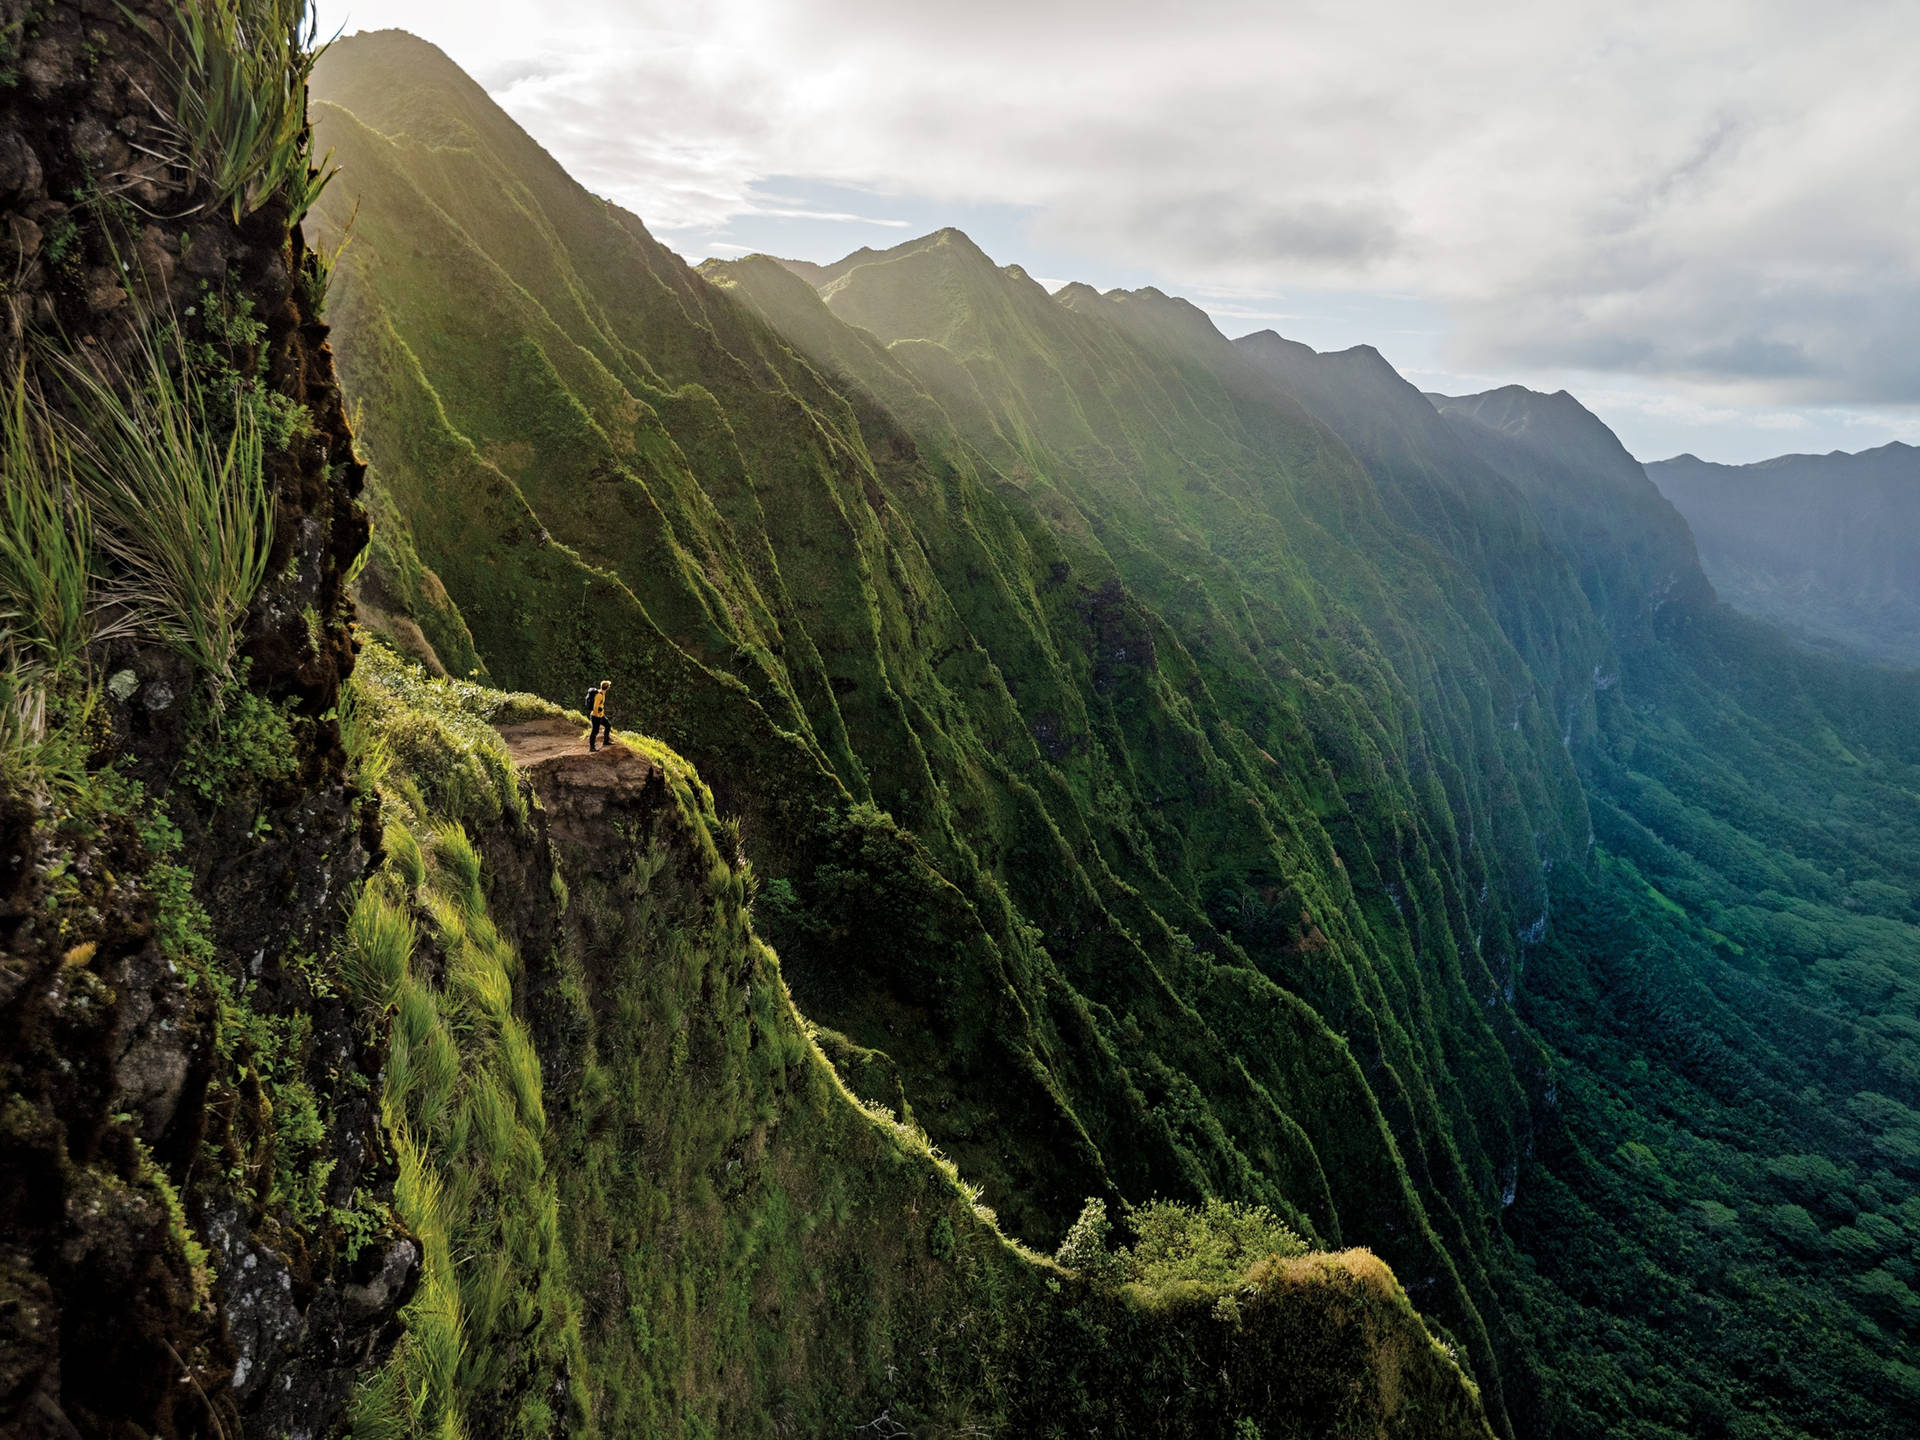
[(597, 709)]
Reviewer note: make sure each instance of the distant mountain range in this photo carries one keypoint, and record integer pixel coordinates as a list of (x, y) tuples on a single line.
[(1827, 546)]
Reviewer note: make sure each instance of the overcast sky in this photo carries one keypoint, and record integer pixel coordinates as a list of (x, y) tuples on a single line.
[(1700, 216)]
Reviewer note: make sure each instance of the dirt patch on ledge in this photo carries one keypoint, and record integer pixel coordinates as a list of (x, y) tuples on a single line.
[(582, 790), (554, 752)]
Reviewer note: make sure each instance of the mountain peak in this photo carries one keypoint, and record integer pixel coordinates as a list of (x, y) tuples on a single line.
[(948, 242), (1272, 345), (1150, 312), (397, 83), (1301, 368), (1556, 420), (949, 237), (1018, 274)]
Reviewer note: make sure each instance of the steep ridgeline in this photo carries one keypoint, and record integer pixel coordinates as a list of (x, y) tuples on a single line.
[(1827, 546), (1438, 486), (1633, 552), (1728, 988), (1120, 899), (1168, 776), (648, 1205), (1668, 979), (369, 1071)]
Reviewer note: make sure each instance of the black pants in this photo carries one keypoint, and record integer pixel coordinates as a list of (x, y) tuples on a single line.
[(601, 725)]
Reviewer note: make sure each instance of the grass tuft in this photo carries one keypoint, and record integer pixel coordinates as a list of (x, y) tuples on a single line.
[(404, 852), (379, 944), (175, 483), (240, 70), (47, 616)]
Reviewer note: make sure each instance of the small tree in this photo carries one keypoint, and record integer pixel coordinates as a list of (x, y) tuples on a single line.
[(1085, 1247)]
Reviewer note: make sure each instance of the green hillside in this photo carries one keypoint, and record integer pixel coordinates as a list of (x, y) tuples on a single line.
[(650, 1206), (1662, 674), (1176, 773), (1706, 983), (377, 1062), (1068, 1015)]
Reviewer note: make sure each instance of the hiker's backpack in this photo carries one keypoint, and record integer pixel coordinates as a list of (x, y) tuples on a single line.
[(592, 690)]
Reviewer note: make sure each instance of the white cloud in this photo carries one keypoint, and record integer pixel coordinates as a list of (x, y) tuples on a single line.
[(1719, 194)]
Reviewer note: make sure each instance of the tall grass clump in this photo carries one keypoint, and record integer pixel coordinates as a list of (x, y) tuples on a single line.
[(417, 1396), (179, 496), (366, 746), (47, 612), (379, 943), (462, 1098), (240, 70)]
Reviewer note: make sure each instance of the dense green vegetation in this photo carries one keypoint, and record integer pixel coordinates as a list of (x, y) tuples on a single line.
[(1727, 986), (1730, 990), (986, 894), (650, 1206), (1183, 772)]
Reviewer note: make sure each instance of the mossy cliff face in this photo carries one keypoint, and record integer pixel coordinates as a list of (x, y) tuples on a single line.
[(1180, 769), (519, 1133), (192, 1217), (651, 1206), (1029, 826)]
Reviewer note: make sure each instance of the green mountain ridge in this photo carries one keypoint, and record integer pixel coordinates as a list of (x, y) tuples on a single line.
[(1188, 769), (648, 1203), (1274, 1134)]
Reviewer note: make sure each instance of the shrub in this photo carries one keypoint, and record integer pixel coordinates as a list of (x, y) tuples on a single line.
[(1085, 1247), (230, 334), (248, 741), (1215, 1244)]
